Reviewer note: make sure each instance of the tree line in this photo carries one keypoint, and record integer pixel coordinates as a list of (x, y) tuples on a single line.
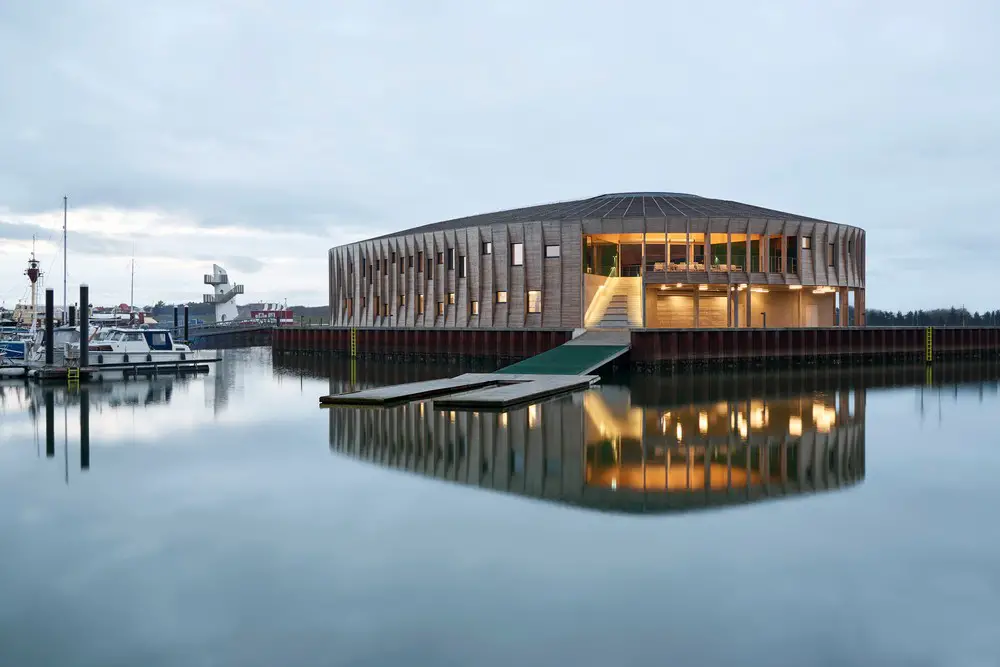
[(938, 317)]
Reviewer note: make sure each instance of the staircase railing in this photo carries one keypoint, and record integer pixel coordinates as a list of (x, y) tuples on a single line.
[(600, 300)]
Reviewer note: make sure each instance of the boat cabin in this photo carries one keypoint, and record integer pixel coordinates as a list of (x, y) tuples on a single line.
[(132, 339)]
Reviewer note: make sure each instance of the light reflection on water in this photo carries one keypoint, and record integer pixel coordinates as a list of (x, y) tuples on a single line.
[(599, 449), (227, 519)]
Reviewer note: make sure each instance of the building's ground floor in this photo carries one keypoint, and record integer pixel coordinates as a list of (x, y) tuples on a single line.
[(637, 303), (758, 306)]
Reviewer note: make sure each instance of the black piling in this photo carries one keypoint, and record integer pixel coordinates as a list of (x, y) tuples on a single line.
[(72, 316), (186, 319), (84, 326), (50, 305), (176, 322), (84, 429), (50, 423)]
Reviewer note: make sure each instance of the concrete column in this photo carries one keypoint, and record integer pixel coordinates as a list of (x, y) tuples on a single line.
[(697, 309), (642, 274), (799, 321), (859, 307), (749, 291), (843, 307), (729, 307)]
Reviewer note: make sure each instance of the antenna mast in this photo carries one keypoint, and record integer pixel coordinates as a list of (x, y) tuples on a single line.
[(131, 295), (64, 311)]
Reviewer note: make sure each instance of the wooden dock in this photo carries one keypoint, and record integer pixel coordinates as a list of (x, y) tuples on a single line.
[(55, 373), (469, 390)]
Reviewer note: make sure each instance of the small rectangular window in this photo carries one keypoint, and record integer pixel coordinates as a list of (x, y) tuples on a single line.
[(440, 307), (402, 266), (364, 267), (409, 261), (451, 298), (487, 247), (393, 256), (832, 255), (349, 306), (420, 304), (402, 300), (430, 267), (451, 259), (806, 243), (385, 310), (363, 302), (552, 251), (850, 247), (474, 307), (385, 266), (377, 311), (517, 254), (501, 297), (420, 262), (462, 266), (534, 301), (440, 258)]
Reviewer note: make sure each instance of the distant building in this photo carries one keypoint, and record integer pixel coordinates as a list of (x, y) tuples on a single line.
[(628, 260)]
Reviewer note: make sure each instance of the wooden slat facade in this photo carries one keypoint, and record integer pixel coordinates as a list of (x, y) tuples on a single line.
[(379, 283)]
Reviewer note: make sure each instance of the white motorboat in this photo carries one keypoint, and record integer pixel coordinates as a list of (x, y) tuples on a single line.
[(62, 336), (120, 345)]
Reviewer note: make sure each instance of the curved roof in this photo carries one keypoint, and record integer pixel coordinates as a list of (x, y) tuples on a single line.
[(616, 205)]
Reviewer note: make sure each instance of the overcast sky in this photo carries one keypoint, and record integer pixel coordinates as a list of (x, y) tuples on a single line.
[(258, 134)]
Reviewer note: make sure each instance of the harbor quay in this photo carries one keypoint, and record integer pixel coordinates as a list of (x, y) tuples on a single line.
[(654, 350)]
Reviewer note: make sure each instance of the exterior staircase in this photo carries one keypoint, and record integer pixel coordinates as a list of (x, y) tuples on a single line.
[(619, 306)]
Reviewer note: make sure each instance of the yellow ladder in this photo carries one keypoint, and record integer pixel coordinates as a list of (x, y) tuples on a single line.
[(73, 376), (354, 343), (930, 345)]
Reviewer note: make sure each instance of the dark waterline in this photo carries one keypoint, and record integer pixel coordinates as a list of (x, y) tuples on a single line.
[(780, 519)]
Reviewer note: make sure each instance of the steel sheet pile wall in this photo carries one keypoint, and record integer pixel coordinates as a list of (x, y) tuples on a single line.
[(421, 344), (678, 348)]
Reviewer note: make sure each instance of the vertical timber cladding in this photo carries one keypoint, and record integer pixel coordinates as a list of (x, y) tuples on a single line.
[(396, 267)]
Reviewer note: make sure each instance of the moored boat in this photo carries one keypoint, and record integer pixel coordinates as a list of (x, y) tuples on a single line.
[(120, 345)]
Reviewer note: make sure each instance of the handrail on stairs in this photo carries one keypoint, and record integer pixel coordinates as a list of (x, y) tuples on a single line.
[(598, 298)]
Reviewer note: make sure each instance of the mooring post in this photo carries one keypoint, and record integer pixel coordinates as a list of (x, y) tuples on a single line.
[(176, 322), (84, 326), (50, 423), (72, 316), (186, 318), (84, 429), (50, 297)]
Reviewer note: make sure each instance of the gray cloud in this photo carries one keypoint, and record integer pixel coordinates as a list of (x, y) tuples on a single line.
[(359, 118), (79, 241), (244, 264)]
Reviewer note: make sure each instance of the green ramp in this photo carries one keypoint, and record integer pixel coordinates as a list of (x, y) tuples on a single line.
[(568, 360)]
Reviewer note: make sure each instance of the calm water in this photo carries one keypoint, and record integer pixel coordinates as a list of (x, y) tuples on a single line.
[(796, 519)]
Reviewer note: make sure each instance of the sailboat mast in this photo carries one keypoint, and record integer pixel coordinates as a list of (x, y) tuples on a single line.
[(131, 294), (64, 311)]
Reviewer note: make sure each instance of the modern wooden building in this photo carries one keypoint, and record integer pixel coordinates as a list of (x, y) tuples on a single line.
[(628, 260)]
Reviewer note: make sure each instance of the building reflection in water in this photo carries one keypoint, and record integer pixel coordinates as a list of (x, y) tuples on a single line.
[(599, 449)]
